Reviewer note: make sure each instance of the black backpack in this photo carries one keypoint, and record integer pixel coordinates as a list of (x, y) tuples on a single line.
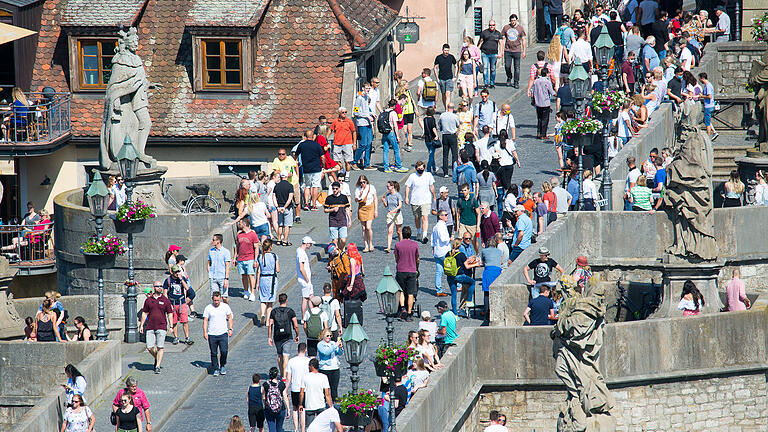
[(696, 53), (382, 122), (282, 323)]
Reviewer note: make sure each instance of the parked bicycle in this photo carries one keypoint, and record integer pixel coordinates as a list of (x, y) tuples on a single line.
[(624, 309), (198, 201)]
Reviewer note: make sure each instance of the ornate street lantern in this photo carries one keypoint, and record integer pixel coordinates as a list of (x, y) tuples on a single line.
[(388, 293), (97, 196), (128, 160)]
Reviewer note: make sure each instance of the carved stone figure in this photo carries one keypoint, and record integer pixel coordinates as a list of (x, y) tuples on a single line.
[(125, 104), (688, 198), (578, 337), (758, 79)]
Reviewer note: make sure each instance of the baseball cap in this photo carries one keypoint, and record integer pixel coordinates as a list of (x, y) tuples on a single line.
[(175, 268), (425, 315), (331, 249), (582, 261), (443, 189), (283, 174), (316, 300), (174, 247), (307, 240), (442, 304), (543, 251), (519, 207)]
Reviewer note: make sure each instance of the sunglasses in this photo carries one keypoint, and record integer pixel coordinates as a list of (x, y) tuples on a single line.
[(281, 154)]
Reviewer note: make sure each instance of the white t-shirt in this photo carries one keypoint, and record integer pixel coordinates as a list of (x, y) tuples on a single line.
[(369, 193), (334, 304), (314, 385), (496, 428), (217, 318), (589, 189), (301, 257), (258, 214), (419, 184), (624, 122), (632, 176), (581, 51), (298, 367), (374, 95), (119, 193), (422, 102), (441, 240), (325, 421), (503, 122), (510, 201), (505, 154), (686, 58), (485, 153), (562, 196)]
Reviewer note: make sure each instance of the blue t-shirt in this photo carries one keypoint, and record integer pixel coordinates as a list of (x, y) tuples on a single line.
[(469, 176), (218, 259), (254, 396), (540, 307), (660, 177), (652, 55), (525, 225), (448, 320)]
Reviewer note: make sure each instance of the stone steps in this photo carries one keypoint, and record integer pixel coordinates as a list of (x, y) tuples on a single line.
[(724, 156)]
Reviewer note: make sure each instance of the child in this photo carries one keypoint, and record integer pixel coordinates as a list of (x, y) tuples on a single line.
[(558, 136), (393, 202), (181, 261), (614, 145), (29, 333)]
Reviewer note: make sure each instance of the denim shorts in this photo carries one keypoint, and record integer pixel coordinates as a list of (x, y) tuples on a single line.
[(708, 116), (312, 180), (338, 232), (245, 267), (262, 230), (445, 85), (285, 219)]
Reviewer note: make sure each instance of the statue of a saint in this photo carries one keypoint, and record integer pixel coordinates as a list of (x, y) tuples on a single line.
[(126, 110)]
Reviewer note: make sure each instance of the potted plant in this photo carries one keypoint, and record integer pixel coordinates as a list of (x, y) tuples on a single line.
[(392, 360), (101, 251), (608, 103), (760, 28), (356, 409), (580, 131), (132, 215)]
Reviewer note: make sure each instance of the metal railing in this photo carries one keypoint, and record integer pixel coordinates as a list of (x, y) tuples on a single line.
[(46, 119), (27, 246)]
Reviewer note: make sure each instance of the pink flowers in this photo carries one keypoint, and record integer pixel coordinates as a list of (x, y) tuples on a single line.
[(105, 245), (360, 403), (135, 211)]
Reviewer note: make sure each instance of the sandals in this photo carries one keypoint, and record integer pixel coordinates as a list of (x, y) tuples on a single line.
[(287, 244)]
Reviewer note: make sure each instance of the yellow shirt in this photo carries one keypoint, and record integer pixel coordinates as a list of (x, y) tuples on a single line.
[(287, 165)]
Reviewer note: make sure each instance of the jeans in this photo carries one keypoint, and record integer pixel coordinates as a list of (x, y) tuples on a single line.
[(450, 144), (515, 252), (547, 22), (275, 421), (555, 21), (384, 415), (431, 167), (363, 152), (542, 120), (218, 343), (512, 60), (627, 205), (387, 140), (454, 281), (333, 381), (489, 68), (439, 273)]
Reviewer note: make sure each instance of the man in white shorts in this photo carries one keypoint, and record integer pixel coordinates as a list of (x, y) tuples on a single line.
[(420, 193), (156, 314), (304, 273)]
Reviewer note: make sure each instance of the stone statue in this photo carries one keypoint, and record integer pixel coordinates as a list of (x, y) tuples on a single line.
[(126, 109), (688, 198), (758, 79), (578, 337)]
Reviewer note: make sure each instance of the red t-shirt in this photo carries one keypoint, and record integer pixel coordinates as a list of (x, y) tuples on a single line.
[(552, 199), (406, 251), (245, 242), (342, 131), (156, 308)]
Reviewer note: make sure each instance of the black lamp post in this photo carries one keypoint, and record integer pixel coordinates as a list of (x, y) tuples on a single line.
[(580, 82), (604, 48), (128, 161), (98, 194), (388, 293), (355, 344)]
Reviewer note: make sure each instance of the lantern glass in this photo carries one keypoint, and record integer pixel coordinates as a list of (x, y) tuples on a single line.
[(128, 160), (577, 88), (97, 196), (604, 56), (389, 302), (352, 352)]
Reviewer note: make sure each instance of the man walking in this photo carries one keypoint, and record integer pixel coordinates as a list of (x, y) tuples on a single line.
[(485, 110), (448, 125), (504, 120), (247, 249), (304, 273), (490, 50), (217, 329), (281, 321), (364, 120), (387, 126), (219, 260), (468, 214), (339, 215), (175, 288), (445, 68), (542, 93), (156, 314), (297, 367), (420, 193), (315, 393), (289, 170), (523, 232), (515, 46), (426, 94), (344, 138), (310, 153), (406, 271), (283, 200), (441, 245)]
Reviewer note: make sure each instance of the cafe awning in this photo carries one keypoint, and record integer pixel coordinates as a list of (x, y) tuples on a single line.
[(9, 33)]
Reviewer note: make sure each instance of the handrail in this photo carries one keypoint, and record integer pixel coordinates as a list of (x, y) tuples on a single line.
[(43, 121), (27, 245)]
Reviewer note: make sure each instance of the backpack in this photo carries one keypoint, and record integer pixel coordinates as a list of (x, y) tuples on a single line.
[(314, 325), (282, 323), (274, 398), (325, 306), (539, 68), (462, 179), (382, 122), (696, 53), (430, 91), (560, 32), (340, 267), (450, 266)]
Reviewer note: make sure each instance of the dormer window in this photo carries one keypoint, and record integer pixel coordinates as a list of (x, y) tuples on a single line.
[(94, 62), (222, 64)]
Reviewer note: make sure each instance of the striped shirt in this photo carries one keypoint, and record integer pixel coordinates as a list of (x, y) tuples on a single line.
[(641, 197)]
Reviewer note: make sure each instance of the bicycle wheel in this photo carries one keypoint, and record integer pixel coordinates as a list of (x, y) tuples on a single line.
[(622, 314), (203, 204)]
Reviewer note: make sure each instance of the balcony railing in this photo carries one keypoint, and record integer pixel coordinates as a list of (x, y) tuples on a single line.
[(46, 119), (28, 248)]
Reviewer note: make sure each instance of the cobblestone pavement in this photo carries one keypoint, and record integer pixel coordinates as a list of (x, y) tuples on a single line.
[(184, 398)]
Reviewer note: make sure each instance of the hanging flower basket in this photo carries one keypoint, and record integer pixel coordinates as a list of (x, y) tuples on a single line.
[(356, 409), (100, 252), (608, 103), (392, 360), (354, 419), (129, 227), (97, 261)]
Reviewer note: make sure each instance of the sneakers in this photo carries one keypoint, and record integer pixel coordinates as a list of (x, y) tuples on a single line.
[(714, 137), (157, 370), (442, 294), (191, 317), (223, 370), (470, 304), (401, 170), (424, 240), (369, 168), (245, 295), (216, 372), (387, 170), (189, 341), (297, 220), (252, 297), (175, 341), (263, 321)]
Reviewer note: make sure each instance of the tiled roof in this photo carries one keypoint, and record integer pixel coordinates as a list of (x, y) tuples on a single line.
[(297, 75), (20, 3), (224, 13), (368, 17), (101, 13)]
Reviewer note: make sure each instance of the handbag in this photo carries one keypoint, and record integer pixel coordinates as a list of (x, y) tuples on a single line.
[(565, 69), (113, 418), (436, 143)]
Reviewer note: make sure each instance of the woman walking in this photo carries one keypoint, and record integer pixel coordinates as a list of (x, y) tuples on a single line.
[(393, 202), (506, 153), (75, 385), (266, 278), (367, 210), (128, 416), (328, 353), (430, 138), (275, 400), (255, 404), (78, 417), (44, 326), (487, 185), (467, 71)]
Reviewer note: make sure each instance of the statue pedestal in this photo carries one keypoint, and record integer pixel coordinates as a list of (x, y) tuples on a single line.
[(675, 272), (11, 325), (147, 187), (750, 164)]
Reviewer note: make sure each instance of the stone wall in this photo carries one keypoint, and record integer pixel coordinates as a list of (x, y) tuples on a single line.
[(734, 61), (733, 403)]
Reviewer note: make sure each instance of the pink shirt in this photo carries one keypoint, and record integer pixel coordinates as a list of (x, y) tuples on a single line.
[(735, 294), (139, 401)]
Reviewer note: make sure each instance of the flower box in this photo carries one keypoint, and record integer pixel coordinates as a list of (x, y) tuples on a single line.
[(381, 369), (97, 261), (356, 409), (353, 418), (130, 226)]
